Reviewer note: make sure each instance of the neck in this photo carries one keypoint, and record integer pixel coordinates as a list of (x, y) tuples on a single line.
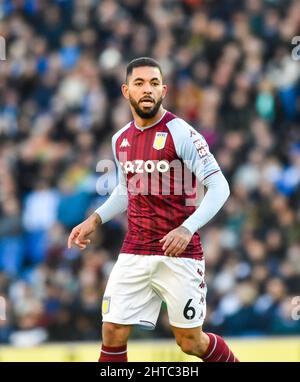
[(144, 122)]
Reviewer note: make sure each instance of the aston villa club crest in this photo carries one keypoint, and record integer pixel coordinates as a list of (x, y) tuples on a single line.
[(160, 141), (105, 305)]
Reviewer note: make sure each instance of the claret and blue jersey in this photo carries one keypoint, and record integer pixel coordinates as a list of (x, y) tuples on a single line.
[(159, 165)]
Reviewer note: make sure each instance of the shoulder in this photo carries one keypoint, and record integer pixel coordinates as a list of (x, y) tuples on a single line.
[(187, 139), (117, 136), (180, 129), (120, 132)]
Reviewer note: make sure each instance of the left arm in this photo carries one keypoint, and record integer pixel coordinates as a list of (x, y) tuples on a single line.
[(176, 241), (215, 197), (194, 151)]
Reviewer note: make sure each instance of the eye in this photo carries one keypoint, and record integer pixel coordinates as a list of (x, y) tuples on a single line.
[(155, 83), (138, 84)]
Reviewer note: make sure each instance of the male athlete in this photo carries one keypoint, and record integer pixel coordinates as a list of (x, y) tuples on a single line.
[(161, 258)]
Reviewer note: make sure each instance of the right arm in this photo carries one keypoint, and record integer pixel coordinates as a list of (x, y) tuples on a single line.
[(118, 200), (114, 205)]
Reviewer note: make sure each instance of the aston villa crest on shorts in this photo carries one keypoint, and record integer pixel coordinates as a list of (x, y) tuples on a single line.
[(105, 305), (160, 141)]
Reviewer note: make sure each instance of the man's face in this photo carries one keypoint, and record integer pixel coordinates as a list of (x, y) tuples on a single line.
[(145, 91)]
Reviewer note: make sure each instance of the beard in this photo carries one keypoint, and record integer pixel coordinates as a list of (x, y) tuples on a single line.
[(150, 112)]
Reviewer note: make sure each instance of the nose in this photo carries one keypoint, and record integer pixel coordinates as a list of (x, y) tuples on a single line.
[(147, 88)]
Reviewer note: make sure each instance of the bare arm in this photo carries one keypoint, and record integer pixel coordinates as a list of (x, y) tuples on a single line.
[(79, 234)]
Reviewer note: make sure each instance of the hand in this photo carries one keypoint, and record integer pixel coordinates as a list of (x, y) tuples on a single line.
[(79, 234), (176, 241)]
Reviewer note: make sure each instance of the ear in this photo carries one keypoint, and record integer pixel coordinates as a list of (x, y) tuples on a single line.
[(125, 91), (165, 90)]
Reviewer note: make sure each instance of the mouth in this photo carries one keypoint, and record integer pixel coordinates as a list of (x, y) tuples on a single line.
[(147, 102)]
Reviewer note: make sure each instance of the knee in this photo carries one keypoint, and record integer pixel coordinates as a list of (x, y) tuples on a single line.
[(187, 345), (115, 334), (110, 329), (192, 345)]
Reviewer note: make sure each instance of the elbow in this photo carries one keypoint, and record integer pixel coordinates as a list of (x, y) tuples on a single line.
[(227, 190), (224, 189), (219, 185)]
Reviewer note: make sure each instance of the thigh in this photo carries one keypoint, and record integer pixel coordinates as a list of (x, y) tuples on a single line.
[(129, 298), (181, 284)]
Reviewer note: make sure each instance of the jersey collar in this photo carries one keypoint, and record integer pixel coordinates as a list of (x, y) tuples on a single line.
[(155, 123)]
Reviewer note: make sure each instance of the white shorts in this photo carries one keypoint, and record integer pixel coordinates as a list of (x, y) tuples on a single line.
[(138, 284)]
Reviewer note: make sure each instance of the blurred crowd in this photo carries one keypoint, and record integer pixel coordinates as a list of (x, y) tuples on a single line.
[(230, 74)]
